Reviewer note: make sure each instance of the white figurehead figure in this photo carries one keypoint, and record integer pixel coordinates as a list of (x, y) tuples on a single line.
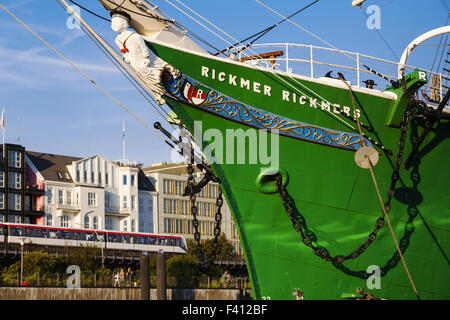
[(144, 62)]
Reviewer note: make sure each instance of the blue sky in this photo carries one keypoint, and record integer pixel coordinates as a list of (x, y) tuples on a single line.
[(53, 109)]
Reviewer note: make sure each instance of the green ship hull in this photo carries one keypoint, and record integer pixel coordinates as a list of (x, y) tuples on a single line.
[(335, 198)]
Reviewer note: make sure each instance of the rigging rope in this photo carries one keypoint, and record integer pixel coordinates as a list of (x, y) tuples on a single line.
[(327, 43), (381, 200), (101, 44), (168, 20), (197, 21), (143, 91), (91, 12), (265, 31), (381, 36), (270, 70), (81, 72)]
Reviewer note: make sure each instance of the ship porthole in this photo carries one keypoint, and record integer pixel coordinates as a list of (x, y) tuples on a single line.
[(266, 181)]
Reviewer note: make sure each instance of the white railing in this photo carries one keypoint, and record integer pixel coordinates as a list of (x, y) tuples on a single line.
[(315, 62)]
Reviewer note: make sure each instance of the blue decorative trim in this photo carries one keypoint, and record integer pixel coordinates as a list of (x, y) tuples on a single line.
[(190, 92)]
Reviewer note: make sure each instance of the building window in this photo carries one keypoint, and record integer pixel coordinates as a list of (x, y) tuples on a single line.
[(108, 224), (69, 197), (92, 199), (141, 226), (133, 202), (48, 220), (150, 205), (60, 197), (92, 176), (132, 179), (124, 179), (124, 202), (107, 200), (95, 222), (106, 178), (27, 203), (133, 225), (49, 196), (15, 159), (14, 180), (84, 176), (65, 221), (2, 179), (14, 201), (78, 175), (2, 201), (125, 225), (87, 223), (14, 219)]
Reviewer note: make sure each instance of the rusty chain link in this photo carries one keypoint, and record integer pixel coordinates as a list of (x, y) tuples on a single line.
[(205, 262)]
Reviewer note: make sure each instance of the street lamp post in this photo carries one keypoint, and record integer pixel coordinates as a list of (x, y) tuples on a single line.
[(22, 243)]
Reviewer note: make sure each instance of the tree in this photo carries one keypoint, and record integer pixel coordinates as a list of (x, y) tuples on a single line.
[(85, 257), (186, 270), (224, 247)]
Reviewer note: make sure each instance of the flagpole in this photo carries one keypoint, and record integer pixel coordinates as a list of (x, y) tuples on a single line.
[(123, 140)]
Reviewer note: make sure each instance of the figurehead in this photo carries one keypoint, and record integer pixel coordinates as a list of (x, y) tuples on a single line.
[(120, 21)]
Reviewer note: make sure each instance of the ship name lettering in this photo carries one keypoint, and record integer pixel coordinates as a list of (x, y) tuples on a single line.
[(327, 106), (285, 94), (232, 80)]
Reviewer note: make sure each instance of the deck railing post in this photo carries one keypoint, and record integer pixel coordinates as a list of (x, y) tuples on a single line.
[(287, 57), (357, 69)]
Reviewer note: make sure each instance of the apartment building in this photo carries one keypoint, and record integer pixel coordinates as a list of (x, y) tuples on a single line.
[(174, 211), (21, 197), (94, 193)]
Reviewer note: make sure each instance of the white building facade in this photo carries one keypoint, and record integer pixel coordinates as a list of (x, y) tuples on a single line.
[(96, 193)]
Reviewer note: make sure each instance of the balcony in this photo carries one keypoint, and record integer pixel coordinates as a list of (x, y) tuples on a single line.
[(117, 211), (34, 190), (68, 207)]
